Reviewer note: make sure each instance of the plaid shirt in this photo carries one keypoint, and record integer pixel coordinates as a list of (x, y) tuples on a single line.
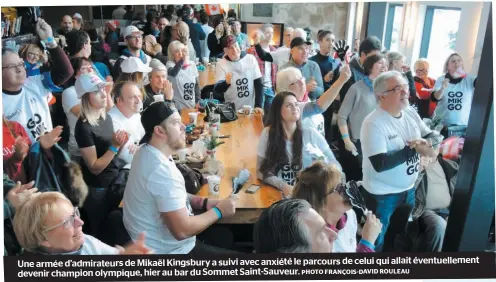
[(261, 65)]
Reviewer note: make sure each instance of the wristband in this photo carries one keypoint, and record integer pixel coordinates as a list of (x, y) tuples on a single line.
[(345, 136), (205, 202), (114, 149), (217, 211), (367, 244)]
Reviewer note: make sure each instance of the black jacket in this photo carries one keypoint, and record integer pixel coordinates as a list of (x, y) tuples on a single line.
[(450, 169)]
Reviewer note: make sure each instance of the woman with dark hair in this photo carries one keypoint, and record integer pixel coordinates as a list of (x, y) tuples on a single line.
[(285, 147), (320, 185), (214, 39), (454, 92), (358, 103)]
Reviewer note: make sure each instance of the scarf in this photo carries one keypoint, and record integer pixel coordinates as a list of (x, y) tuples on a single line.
[(421, 81), (369, 83), (32, 69), (142, 55), (305, 98)]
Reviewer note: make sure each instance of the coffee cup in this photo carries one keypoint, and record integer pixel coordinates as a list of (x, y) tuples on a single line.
[(182, 155), (247, 109), (213, 185), (193, 117)]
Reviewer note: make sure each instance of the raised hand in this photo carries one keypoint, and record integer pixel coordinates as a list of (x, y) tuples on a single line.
[(20, 193), (345, 73), (43, 29), (21, 149), (51, 138), (341, 49), (168, 90), (372, 228)]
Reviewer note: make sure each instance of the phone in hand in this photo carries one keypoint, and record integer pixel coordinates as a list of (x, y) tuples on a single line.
[(252, 189)]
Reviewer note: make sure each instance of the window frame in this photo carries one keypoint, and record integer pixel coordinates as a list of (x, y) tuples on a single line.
[(389, 24), (426, 33)]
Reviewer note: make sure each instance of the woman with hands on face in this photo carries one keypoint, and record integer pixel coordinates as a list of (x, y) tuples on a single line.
[(183, 75)]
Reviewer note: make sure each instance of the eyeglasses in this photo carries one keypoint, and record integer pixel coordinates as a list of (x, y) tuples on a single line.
[(69, 222), (421, 71), (135, 37), (35, 55), (300, 81), (340, 189), (19, 66), (398, 89)]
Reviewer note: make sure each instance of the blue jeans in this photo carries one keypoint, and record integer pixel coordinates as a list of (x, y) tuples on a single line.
[(268, 97), (383, 207)]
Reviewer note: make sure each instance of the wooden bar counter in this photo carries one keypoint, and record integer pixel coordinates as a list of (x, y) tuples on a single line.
[(240, 152)]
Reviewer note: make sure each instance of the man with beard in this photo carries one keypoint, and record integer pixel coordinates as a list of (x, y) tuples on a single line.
[(125, 116), (155, 198), (134, 41), (392, 144), (310, 70), (65, 25), (239, 77)]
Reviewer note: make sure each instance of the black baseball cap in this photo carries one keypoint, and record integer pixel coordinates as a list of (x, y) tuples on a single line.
[(297, 41), (154, 115)]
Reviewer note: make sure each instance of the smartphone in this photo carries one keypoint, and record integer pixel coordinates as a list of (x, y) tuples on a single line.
[(252, 189)]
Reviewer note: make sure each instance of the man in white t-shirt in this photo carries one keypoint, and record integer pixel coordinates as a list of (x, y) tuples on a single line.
[(238, 76), (125, 116), (392, 144), (155, 198), (25, 100)]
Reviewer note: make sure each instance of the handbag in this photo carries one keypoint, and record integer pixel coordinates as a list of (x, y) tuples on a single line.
[(193, 179), (226, 111)]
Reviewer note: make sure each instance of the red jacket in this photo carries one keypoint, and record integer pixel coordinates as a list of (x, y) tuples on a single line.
[(13, 169)]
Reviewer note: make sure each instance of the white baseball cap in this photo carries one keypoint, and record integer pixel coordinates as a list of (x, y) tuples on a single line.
[(133, 64), (129, 30), (88, 82), (157, 65)]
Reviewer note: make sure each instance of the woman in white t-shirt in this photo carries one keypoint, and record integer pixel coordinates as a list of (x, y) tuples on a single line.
[(183, 75), (320, 184), (454, 92), (285, 147), (72, 104)]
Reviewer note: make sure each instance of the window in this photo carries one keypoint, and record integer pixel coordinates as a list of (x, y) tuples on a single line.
[(393, 26), (439, 37)]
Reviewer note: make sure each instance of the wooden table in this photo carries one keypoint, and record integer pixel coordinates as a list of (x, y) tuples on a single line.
[(240, 152)]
